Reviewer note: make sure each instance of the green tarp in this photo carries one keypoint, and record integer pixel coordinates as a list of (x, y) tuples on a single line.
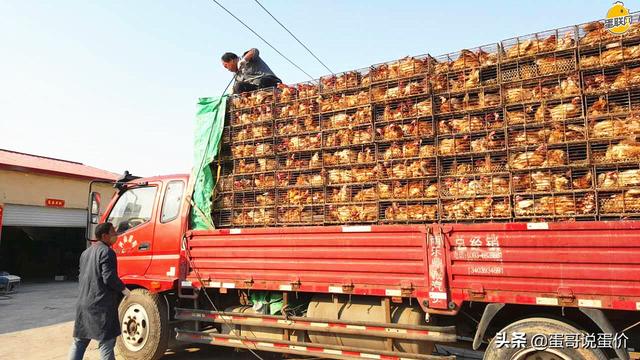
[(208, 133)]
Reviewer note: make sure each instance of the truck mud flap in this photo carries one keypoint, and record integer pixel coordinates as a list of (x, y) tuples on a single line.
[(298, 348)]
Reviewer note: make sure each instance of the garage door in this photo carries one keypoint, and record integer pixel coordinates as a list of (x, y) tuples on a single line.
[(24, 215)]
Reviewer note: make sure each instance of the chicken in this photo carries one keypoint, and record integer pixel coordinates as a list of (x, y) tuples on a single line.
[(458, 209), (346, 156), (410, 149), (461, 125), (406, 67), (342, 195), (315, 161), (475, 208), (365, 174), (596, 83), (595, 33), (454, 146), (568, 87), (300, 143), (520, 117), (427, 151), (599, 107), (397, 171), (265, 199), (423, 108), (309, 180), (488, 99), (307, 91), (467, 59), (365, 156), (624, 202), (566, 111), (285, 93), (626, 149), (226, 201), (254, 217), (347, 137), (384, 191), (419, 168), (619, 179), (393, 152), (582, 182), (391, 132), (239, 151), (559, 134), (340, 176), (264, 181), (352, 213), (343, 81), (400, 111), (519, 94), (243, 167), (486, 165), (525, 138), (554, 205), (450, 104), (411, 212), (297, 215), (528, 159), (369, 194), (545, 181), (626, 79), (487, 143)]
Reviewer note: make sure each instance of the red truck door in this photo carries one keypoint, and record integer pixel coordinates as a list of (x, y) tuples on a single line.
[(133, 216), (168, 231)]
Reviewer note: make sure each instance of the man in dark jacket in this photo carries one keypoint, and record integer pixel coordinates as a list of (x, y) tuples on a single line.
[(252, 73), (100, 288)]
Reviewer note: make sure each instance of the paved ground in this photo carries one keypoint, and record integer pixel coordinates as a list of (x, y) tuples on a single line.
[(36, 305)]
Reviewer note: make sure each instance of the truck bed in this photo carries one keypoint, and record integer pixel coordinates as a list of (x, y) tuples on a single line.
[(592, 264)]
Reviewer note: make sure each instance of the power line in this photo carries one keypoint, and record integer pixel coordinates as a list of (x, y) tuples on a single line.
[(261, 38), (290, 33)]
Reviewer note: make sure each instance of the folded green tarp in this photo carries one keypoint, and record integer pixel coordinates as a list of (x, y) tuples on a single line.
[(208, 133)]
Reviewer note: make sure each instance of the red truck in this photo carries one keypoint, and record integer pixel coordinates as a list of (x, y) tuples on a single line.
[(375, 292)]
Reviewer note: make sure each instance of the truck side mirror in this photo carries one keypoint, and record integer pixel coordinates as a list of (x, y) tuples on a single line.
[(93, 216), (95, 207)]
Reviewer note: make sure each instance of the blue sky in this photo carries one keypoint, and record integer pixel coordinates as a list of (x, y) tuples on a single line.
[(114, 83)]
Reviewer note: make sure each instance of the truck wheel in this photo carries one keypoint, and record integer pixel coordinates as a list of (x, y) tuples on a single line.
[(543, 326), (144, 324)]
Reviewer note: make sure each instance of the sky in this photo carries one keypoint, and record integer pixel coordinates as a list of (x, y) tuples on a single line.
[(114, 84)]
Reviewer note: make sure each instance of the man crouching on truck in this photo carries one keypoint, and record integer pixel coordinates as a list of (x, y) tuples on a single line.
[(252, 73), (100, 288)]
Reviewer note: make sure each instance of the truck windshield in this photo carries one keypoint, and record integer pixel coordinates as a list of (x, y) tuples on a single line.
[(133, 208)]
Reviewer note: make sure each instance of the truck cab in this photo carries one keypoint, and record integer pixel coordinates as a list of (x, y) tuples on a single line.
[(150, 217)]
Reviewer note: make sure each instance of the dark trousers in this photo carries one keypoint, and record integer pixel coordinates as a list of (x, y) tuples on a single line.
[(265, 82)]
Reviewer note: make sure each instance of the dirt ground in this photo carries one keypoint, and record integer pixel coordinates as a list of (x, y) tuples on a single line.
[(37, 323), (52, 342)]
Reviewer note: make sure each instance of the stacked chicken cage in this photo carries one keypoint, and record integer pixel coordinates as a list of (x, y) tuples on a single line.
[(535, 128)]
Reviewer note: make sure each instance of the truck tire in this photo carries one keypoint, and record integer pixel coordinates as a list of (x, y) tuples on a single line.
[(544, 326), (145, 326)]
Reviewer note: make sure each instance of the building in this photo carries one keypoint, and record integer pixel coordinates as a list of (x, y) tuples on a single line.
[(43, 213)]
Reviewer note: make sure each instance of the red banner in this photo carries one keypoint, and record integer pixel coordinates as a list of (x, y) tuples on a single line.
[(54, 203)]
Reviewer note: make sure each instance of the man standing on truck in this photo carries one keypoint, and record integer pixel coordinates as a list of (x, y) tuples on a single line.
[(252, 73), (100, 288)]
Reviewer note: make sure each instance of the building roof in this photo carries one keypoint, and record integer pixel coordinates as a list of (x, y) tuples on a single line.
[(13, 160)]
